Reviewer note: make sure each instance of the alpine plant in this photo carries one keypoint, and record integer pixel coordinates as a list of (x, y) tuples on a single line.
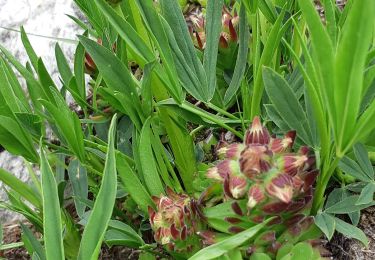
[(263, 178), (176, 222)]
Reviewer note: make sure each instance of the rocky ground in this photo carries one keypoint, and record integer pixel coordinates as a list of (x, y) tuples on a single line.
[(48, 20)]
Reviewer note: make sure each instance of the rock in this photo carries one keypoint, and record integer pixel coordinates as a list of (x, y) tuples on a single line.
[(46, 23)]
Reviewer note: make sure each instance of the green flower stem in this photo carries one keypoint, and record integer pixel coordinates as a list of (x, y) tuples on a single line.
[(221, 111), (322, 185)]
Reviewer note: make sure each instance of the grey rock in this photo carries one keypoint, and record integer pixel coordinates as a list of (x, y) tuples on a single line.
[(46, 23)]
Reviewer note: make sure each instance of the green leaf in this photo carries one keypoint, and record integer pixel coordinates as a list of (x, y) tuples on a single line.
[(100, 216), (187, 76), (132, 184), (121, 234), (159, 37), (239, 69), (23, 189), (350, 167), (349, 69), (52, 225), (347, 205), (367, 194), (286, 103), (79, 70), (62, 64), (148, 164), (115, 74), (351, 231), (31, 122), (269, 51), (323, 55), (268, 10), (29, 49), (30, 239), (67, 123), (213, 29), (78, 179), (228, 244), (361, 154), (16, 140), (115, 237), (301, 251), (127, 32), (175, 19), (326, 223), (35, 89)]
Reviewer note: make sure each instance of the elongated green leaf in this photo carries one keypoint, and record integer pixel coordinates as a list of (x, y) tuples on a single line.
[(367, 194), (329, 8), (12, 79), (183, 149), (67, 123), (239, 69), (350, 231), (52, 225), (268, 10), (35, 245), (323, 54), (122, 234), (213, 28), (361, 154), (115, 74), (326, 223), (349, 69), (62, 65), (149, 168), (348, 205), (268, 53), (29, 49), (127, 32), (16, 140), (79, 70), (175, 19), (158, 35), (78, 179), (132, 184), (100, 216), (218, 249), (35, 89), (350, 167), (286, 103), (20, 187)]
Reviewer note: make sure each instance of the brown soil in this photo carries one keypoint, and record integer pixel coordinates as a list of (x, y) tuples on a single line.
[(344, 248)]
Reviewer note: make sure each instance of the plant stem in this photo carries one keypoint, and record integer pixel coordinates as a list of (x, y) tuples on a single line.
[(322, 185), (221, 111)]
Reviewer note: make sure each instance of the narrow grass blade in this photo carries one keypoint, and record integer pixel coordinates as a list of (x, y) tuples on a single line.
[(62, 64), (149, 167), (31, 243), (240, 67), (93, 234), (53, 240), (20, 187), (213, 28)]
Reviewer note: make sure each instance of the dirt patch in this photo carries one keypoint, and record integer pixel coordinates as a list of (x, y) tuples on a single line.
[(344, 248)]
